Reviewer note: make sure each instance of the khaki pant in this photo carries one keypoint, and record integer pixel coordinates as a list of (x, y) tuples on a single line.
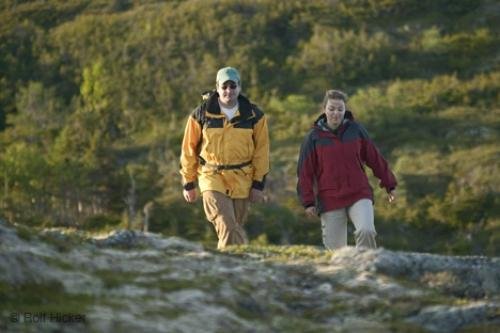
[(228, 217), (334, 225)]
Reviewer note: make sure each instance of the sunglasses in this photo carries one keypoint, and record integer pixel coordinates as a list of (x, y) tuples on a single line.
[(231, 85)]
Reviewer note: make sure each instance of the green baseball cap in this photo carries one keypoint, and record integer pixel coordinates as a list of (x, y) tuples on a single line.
[(228, 74)]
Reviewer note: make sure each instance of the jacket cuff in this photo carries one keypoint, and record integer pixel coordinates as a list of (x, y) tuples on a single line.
[(189, 186), (309, 205), (258, 185)]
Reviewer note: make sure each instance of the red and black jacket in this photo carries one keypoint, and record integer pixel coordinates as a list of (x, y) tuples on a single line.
[(331, 164)]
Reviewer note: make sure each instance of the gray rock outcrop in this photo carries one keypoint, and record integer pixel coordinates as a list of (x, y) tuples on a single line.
[(132, 281)]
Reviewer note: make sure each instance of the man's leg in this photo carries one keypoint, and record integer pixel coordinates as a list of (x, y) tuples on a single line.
[(220, 210), (334, 228), (361, 215), (241, 214)]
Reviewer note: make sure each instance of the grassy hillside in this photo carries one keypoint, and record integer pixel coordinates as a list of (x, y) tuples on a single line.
[(94, 96)]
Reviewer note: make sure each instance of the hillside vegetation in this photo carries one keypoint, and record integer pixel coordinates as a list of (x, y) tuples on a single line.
[(94, 96)]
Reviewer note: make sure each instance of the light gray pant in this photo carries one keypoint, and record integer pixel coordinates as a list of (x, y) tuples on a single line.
[(334, 225)]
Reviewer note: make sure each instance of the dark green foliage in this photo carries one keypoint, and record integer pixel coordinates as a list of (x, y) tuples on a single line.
[(99, 222), (94, 96), (177, 218)]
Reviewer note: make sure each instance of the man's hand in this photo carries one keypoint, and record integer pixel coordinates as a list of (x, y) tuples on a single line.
[(311, 211), (190, 195), (391, 196), (257, 195)]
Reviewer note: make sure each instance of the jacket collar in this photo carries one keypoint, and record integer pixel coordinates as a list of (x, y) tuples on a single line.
[(245, 108), (322, 125)]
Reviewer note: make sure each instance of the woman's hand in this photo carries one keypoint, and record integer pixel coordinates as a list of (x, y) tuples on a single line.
[(391, 196), (311, 211)]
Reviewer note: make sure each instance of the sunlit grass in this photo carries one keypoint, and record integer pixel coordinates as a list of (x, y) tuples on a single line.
[(281, 253)]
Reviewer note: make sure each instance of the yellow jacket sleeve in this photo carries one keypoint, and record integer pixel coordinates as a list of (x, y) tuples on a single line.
[(260, 159), (189, 152)]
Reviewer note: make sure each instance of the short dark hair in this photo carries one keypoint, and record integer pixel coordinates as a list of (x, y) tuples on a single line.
[(334, 94)]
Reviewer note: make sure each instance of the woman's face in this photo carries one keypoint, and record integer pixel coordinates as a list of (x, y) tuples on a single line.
[(334, 111)]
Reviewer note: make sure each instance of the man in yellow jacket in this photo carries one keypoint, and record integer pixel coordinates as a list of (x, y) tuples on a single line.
[(226, 151)]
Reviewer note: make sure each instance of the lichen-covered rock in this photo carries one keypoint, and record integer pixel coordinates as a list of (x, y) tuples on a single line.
[(440, 318), (466, 276), (131, 281)]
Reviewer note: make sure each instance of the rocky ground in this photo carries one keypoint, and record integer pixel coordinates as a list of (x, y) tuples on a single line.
[(51, 281)]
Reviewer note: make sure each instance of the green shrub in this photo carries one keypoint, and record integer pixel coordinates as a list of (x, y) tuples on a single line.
[(100, 222)]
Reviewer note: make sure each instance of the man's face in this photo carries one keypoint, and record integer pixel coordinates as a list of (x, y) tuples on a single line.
[(228, 92)]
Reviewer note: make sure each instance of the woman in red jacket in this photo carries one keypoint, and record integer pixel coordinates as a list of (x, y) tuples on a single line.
[(331, 176)]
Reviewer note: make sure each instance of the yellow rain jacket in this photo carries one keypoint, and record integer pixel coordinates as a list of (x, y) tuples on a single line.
[(225, 156)]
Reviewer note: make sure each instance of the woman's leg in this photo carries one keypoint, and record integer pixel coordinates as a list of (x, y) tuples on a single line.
[(361, 215), (334, 228)]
